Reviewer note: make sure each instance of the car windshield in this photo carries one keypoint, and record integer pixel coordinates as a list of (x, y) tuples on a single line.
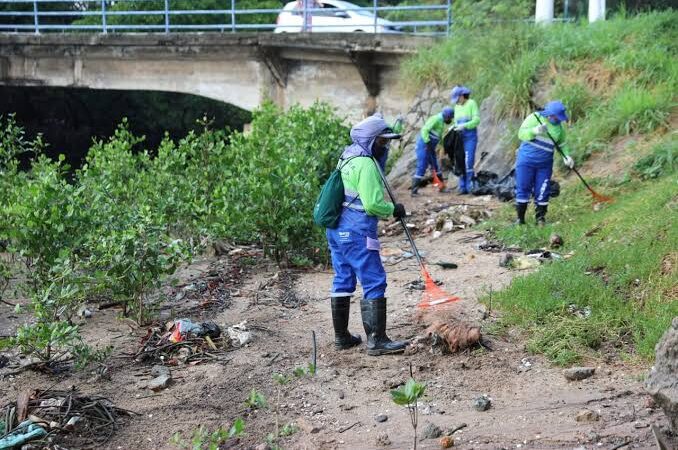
[(351, 7)]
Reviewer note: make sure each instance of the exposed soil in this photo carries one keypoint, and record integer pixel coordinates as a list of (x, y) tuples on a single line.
[(533, 405)]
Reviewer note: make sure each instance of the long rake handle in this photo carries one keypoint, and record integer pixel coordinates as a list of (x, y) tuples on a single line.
[(563, 155), (401, 220)]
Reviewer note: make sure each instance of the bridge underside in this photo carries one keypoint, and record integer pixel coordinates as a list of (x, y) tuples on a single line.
[(355, 73)]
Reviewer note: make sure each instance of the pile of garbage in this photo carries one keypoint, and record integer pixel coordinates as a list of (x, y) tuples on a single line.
[(456, 217), (185, 342), (54, 418), (489, 183)]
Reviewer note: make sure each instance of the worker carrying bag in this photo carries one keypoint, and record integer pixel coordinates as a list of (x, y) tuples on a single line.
[(330, 202)]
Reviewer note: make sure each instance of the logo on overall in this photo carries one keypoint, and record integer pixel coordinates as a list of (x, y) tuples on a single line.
[(344, 236)]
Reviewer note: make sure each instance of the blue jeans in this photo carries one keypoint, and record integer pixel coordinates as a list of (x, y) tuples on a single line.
[(356, 256), (470, 140)]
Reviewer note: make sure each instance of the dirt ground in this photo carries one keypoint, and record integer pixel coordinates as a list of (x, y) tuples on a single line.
[(533, 405)]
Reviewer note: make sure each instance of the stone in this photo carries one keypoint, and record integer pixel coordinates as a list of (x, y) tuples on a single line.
[(383, 440), (578, 373), (381, 418), (556, 241), (586, 415), (482, 403), (162, 378), (262, 446), (662, 383), (505, 260), (431, 431)]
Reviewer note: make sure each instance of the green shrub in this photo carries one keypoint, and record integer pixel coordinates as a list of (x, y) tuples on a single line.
[(662, 161)]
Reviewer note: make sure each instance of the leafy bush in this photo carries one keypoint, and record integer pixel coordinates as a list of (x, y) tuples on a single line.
[(662, 161)]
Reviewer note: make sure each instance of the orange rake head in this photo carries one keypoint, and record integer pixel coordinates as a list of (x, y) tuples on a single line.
[(434, 296), (437, 182), (599, 198)]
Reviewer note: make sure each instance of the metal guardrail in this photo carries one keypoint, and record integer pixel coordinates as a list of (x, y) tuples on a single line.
[(106, 16)]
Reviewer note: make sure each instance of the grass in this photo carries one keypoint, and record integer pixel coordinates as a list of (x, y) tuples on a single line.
[(636, 54), (616, 270)]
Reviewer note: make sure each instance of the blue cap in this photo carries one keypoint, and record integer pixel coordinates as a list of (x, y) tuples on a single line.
[(555, 108), (457, 92), (448, 113)]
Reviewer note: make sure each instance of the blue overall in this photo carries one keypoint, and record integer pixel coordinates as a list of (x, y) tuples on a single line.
[(534, 166), (355, 251), (470, 140), (426, 157), (354, 243)]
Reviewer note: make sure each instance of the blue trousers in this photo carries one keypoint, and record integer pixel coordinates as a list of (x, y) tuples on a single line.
[(470, 140), (533, 176), (352, 258), (425, 158)]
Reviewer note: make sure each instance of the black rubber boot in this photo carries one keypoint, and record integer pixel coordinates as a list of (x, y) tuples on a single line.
[(540, 214), (416, 182), (341, 306), (374, 321), (521, 209)]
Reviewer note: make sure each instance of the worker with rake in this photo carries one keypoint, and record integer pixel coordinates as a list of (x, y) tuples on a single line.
[(466, 120), (427, 141), (541, 133), (354, 243)]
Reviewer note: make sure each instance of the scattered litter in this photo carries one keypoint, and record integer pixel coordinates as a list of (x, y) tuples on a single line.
[(158, 344), (239, 334), (506, 260), (184, 328), (482, 403), (72, 420), (586, 415), (446, 442), (524, 263), (446, 265), (582, 313)]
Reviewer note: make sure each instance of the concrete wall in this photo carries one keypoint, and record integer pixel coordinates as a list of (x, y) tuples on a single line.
[(355, 73)]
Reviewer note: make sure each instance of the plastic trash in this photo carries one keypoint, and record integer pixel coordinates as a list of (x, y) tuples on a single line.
[(184, 327), (26, 431)]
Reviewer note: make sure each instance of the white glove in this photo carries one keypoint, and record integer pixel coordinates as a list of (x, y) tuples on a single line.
[(539, 129), (460, 127), (569, 162)]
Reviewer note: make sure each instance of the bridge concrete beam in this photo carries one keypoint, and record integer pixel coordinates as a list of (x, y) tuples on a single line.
[(354, 72)]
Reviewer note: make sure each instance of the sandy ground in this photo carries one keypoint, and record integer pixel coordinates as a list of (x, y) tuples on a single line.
[(533, 405)]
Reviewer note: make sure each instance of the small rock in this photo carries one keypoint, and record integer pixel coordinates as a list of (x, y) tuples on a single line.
[(446, 442), (586, 415), (482, 403), (381, 418), (262, 447), (383, 440), (556, 241), (505, 260), (650, 403), (431, 431), (341, 395), (578, 373), (162, 378)]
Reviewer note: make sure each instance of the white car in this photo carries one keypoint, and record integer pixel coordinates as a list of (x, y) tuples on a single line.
[(337, 16)]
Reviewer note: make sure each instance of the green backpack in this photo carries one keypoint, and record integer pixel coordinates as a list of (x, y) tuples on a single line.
[(330, 202)]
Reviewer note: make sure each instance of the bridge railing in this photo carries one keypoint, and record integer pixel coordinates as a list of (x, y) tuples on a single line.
[(118, 16)]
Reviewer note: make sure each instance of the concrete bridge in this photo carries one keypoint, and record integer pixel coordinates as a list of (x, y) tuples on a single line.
[(356, 73)]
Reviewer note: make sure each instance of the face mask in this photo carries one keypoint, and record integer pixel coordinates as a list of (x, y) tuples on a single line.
[(554, 121)]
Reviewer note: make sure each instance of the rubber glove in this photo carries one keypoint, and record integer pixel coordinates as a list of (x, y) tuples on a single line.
[(460, 127), (399, 211), (569, 162)]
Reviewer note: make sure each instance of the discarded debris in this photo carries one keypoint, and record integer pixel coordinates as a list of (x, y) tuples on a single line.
[(446, 442), (578, 373), (555, 241), (524, 263), (239, 334), (443, 338), (73, 420), (446, 265), (586, 415), (158, 346), (184, 328), (582, 313), (506, 260)]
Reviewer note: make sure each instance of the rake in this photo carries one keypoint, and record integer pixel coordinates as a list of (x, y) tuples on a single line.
[(599, 198), (433, 295)]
